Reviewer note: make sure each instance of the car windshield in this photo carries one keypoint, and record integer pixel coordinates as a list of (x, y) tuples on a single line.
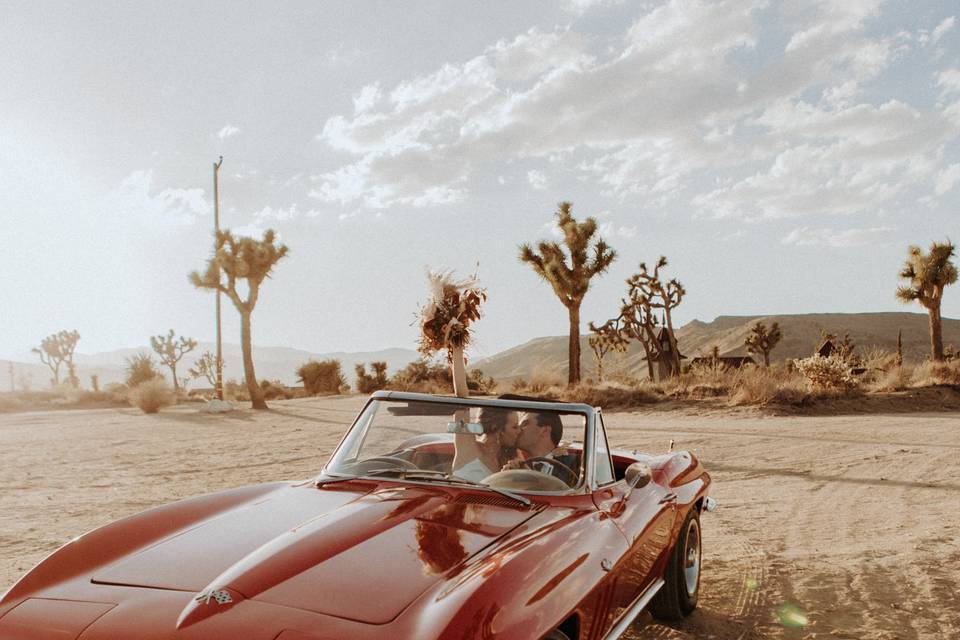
[(516, 448)]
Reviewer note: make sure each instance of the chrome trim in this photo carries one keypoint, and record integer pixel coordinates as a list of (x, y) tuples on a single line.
[(710, 504), (634, 610)]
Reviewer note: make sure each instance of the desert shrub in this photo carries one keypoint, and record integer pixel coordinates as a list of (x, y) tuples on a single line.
[(141, 368), (519, 385), (367, 383), (151, 395), (480, 383), (542, 379), (274, 390), (425, 376), (934, 373), (763, 385), (321, 377), (608, 396), (233, 390), (893, 379), (827, 374)]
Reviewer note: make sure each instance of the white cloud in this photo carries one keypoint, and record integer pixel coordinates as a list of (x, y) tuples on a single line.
[(137, 197), (228, 131), (949, 82), (368, 97), (279, 214), (609, 230), (580, 7), (947, 179), (805, 236), (646, 115), (939, 31), (537, 179)]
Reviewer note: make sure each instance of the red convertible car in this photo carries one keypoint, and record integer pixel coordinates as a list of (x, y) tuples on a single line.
[(390, 542)]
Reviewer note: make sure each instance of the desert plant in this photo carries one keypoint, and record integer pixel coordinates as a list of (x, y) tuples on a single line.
[(141, 368), (57, 349), (607, 337), (206, 367), (274, 390), (95, 382), (830, 373), (647, 292), (932, 373), (761, 340), (929, 274), (247, 259), (233, 390), (367, 383), (171, 351), (151, 395), (571, 281), (321, 377)]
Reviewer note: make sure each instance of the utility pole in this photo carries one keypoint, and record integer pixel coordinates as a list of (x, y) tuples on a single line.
[(216, 228)]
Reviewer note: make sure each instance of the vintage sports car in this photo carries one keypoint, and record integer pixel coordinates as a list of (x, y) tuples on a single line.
[(389, 542)]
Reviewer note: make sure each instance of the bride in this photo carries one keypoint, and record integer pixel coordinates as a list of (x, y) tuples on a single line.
[(478, 456)]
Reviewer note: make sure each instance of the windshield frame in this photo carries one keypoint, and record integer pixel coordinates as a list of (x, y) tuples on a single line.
[(587, 483)]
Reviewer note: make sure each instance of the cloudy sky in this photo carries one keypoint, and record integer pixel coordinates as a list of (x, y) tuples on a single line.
[(781, 154)]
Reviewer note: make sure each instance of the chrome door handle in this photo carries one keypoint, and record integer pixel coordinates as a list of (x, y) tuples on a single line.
[(670, 497)]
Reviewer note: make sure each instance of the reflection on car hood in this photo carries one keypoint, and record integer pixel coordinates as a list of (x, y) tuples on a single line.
[(326, 550)]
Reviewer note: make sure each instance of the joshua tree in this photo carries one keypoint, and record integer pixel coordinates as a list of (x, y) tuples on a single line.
[(170, 352), (929, 274), (570, 281), (241, 258), (761, 340), (647, 292), (608, 336), (639, 323), (57, 349), (205, 366)]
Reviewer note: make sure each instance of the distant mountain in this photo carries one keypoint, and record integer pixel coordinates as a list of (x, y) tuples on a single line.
[(274, 363), (801, 334)]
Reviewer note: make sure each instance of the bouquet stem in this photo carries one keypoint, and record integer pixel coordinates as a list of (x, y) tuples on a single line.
[(459, 373)]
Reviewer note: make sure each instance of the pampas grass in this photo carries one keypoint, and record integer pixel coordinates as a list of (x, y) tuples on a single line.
[(446, 317)]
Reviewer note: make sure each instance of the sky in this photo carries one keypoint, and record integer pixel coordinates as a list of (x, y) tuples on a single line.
[(782, 155)]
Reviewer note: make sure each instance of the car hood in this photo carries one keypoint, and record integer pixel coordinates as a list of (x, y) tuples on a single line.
[(326, 550)]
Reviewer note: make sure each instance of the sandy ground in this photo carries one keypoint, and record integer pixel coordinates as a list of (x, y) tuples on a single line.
[(852, 520)]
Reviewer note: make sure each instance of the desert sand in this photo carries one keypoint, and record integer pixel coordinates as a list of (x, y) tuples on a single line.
[(845, 527)]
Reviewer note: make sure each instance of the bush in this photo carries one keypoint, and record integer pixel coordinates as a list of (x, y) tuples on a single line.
[(321, 377), (762, 386), (233, 390), (141, 368), (608, 396), (274, 390), (828, 374), (367, 383), (151, 395), (934, 373)]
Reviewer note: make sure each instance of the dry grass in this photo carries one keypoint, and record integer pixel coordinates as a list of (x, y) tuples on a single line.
[(152, 395)]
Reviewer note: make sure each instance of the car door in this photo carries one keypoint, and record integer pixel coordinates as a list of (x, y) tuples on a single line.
[(644, 516)]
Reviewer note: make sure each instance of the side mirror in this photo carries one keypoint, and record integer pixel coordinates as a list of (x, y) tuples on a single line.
[(465, 427), (638, 476)]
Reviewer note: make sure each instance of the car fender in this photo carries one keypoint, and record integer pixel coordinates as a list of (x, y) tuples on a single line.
[(523, 587)]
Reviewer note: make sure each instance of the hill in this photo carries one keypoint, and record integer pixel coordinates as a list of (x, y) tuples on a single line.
[(273, 363), (801, 334)]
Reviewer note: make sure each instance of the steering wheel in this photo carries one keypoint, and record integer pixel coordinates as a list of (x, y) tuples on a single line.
[(571, 475)]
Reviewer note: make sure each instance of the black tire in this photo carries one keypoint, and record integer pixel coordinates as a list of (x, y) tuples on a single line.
[(681, 589)]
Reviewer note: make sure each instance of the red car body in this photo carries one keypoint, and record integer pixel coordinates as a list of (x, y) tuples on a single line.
[(370, 558)]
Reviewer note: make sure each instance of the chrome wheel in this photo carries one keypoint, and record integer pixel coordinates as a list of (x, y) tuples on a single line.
[(691, 558)]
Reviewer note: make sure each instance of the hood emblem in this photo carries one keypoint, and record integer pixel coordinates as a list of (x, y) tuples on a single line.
[(221, 597)]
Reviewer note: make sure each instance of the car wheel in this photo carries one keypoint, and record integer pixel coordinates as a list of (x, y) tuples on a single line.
[(678, 596), (556, 634)]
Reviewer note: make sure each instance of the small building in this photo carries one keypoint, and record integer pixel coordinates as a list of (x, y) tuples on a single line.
[(826, 348), (725, 362)]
